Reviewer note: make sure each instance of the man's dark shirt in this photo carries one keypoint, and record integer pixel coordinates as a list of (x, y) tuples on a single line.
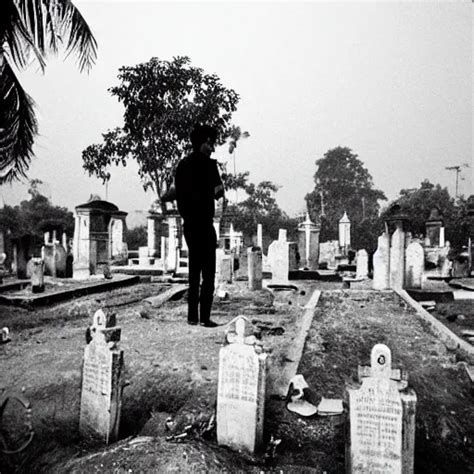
[(196, 179)]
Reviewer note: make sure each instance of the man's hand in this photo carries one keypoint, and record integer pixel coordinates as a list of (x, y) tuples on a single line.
[(219, 191)]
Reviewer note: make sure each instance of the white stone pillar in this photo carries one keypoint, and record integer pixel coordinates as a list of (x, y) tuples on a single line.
[(259, 236)]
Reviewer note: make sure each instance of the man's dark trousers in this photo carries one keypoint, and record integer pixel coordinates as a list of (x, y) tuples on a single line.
[(201, 241)]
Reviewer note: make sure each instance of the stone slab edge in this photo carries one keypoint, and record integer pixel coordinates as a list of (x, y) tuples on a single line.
[(162, 298), (280, 387), (438, 328), (49, 298), (14, 285)]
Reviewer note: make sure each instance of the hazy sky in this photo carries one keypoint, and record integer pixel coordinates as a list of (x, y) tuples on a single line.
[(390, 80)]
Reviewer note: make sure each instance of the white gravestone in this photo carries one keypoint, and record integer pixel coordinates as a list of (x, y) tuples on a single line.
[(362, 268), (254, 262), (241, 393), (282, 257), (381, 262), (381, 421), (102, 380), (414, 265), (397, 259)]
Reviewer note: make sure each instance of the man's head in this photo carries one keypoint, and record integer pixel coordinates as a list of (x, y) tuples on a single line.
[(203, 139)]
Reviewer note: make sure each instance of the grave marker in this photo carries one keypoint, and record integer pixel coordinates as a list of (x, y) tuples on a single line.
[(381, 421), (362, 268), (381, 263), (254, 261), (414, 266), (102, 380), (241, 393)]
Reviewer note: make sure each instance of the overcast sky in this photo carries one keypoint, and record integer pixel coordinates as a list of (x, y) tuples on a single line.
[(390, 80)]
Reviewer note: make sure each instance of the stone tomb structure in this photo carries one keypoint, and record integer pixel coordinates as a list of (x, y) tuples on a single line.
[(102, 380), (95, 227), (380, 433), (241, 392)]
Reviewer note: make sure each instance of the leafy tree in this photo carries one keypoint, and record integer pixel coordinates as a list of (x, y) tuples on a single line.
[(342, 183), (418, 203), (32, 27), (162, 100), (136, 237), (35, 217), (260, 207)]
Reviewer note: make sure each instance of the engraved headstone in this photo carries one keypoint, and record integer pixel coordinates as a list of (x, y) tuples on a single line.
[(381, 421), (362, 268), (102, 380), (241, 393), (414, 265), (254, 262)]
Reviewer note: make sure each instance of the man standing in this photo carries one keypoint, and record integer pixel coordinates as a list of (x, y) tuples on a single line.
[(198, 183)]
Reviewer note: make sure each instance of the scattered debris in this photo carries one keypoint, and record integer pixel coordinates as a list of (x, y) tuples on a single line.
[(330, 406), (297, 402)]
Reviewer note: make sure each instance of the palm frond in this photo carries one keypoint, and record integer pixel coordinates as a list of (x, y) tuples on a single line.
[(18, 125), (15, 37), (80, 39), (55, 22)]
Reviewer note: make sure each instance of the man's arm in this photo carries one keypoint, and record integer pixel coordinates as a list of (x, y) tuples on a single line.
[(218, 186)]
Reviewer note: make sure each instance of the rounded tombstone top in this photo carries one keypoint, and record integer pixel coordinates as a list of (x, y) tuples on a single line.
[(380, 361)]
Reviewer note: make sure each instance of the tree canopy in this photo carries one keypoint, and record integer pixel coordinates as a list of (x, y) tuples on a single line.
[(163, 100), (260, 207), (35, 216), (418, 203), (32, 28), (342, 183)]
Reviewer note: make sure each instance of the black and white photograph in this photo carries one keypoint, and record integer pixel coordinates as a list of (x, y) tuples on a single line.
[(236, 236)]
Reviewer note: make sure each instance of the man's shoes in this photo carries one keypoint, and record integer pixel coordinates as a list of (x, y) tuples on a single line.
[(209, 324), (192, 323)]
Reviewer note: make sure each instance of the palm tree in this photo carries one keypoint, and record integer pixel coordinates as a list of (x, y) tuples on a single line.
[(33, 28)]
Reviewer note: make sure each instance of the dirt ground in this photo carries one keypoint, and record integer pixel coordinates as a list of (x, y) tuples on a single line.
[(171, 371), (458, 316)]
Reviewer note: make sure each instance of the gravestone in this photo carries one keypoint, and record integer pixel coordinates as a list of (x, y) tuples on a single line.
[(224, 266), (254, 262), (362, 268), (37, 275), (381, 262), (380, 435), (414, 266), (282, 258), (241, 393), (102, 380), (397, 259)]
